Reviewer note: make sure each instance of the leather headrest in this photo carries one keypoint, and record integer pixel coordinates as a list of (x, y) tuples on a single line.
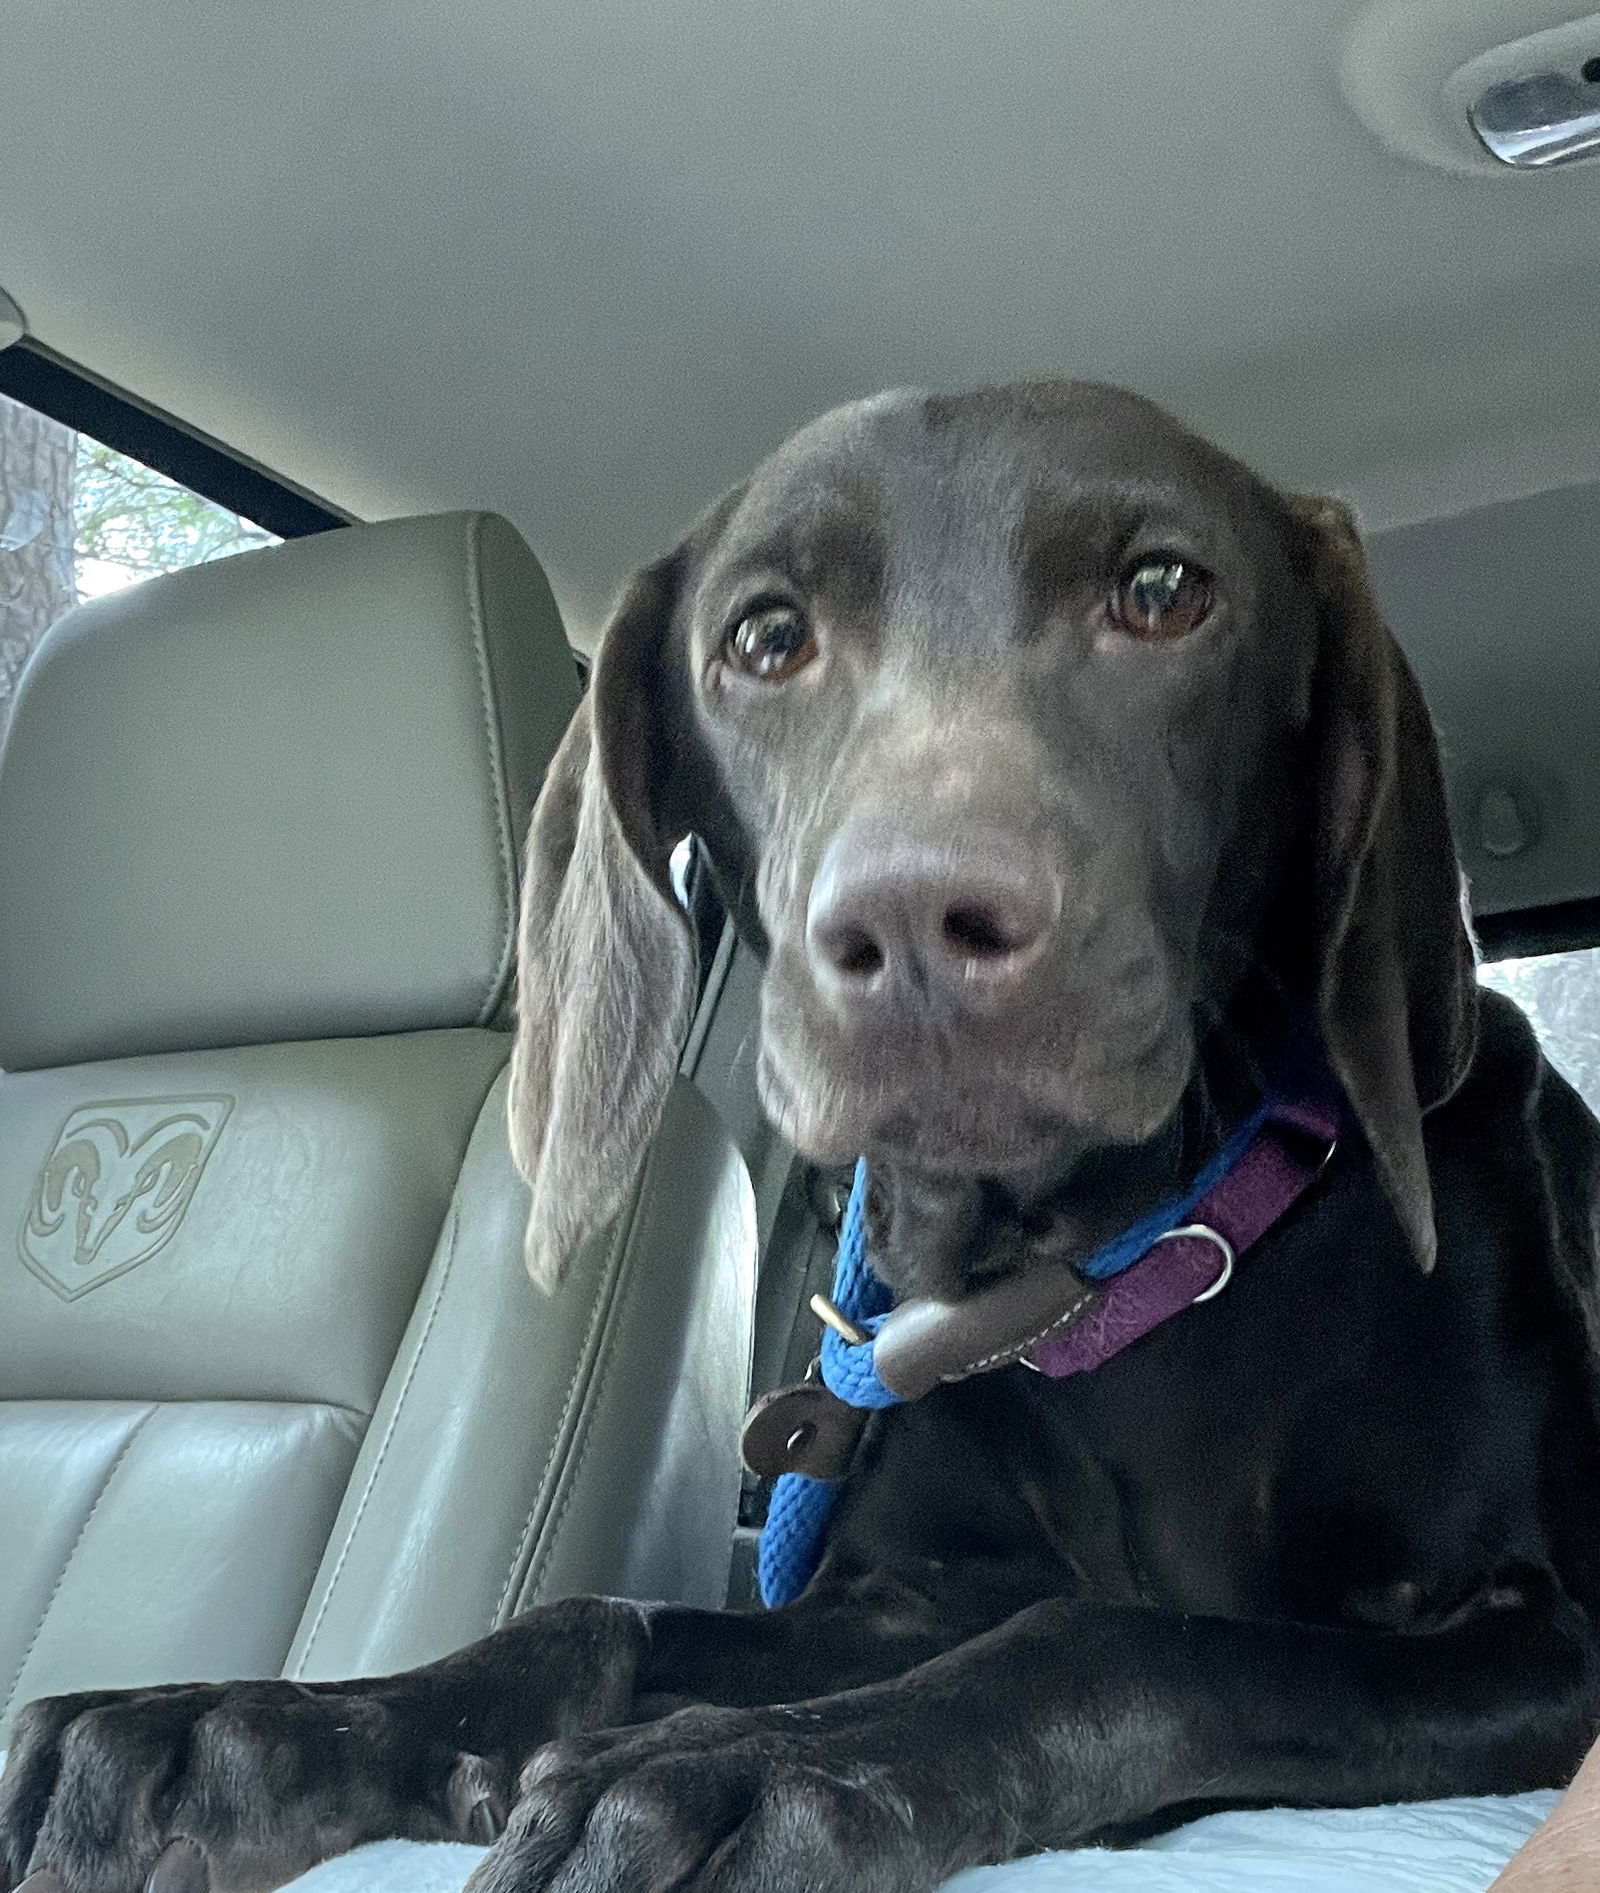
[(278, 797)]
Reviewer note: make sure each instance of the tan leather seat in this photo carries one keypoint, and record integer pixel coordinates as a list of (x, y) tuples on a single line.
[(275, 1393)]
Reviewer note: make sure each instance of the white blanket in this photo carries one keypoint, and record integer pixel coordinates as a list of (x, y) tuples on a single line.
[(1432, 1847)]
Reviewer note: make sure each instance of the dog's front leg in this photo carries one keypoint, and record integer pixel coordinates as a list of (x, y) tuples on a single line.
[(247, 1784), (253, 1782), (1068, 1720)]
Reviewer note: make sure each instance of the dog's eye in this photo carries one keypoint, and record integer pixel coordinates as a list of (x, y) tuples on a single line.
[(1161, 598), (771, 643)]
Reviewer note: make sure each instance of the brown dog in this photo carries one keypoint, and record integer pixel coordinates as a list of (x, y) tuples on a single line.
[(1073, 789)]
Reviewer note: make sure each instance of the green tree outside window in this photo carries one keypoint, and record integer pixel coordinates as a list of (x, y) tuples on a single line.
[(78, 520)]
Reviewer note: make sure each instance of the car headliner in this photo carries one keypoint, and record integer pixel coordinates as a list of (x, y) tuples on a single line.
[(584, 265)]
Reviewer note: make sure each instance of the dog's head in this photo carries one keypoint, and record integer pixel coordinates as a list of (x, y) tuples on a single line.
[(1034, 741)]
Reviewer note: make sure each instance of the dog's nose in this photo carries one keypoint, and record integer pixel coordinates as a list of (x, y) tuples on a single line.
[(896, 916)]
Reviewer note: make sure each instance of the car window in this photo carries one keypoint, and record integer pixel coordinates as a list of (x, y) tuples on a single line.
[(78, 519), (1560, 992)]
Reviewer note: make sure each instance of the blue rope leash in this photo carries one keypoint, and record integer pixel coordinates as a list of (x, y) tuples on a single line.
[(797, 1519)]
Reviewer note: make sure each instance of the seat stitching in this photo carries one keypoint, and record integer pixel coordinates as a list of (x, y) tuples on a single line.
[(626, 1281), (542, 1561), (388, 1436), (583, 1372), (497, 772), (579, 1368), (105, 1485)]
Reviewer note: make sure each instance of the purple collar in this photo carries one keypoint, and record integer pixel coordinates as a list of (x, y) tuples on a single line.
[(1064, 1319), (1194, 1262)]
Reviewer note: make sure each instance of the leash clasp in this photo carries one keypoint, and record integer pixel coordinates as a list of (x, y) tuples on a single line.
[(840, 1322)]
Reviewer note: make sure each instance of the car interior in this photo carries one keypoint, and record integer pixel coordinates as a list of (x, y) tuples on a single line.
[(350, 359)]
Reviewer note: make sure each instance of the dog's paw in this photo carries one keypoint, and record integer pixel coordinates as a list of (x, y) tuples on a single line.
[(225, 1788), (716, 1801)]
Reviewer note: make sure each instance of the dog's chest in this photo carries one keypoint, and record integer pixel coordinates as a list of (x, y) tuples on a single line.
[(1325, 1441)]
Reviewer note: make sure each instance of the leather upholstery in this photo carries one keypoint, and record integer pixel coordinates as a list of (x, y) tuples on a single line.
[(148, 1541), (306, 771), (484, 1485), (330, 1177), (275, 1391)]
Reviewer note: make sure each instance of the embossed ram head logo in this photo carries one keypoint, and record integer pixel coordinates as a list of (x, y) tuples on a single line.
[(115, 1187)]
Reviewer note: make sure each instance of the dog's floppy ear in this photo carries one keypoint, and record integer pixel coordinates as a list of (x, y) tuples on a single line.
[(1393, 965), (605, 959)]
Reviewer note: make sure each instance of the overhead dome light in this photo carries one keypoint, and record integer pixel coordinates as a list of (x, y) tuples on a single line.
[(1536, 102), (1548, 119), (1438, 81)]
